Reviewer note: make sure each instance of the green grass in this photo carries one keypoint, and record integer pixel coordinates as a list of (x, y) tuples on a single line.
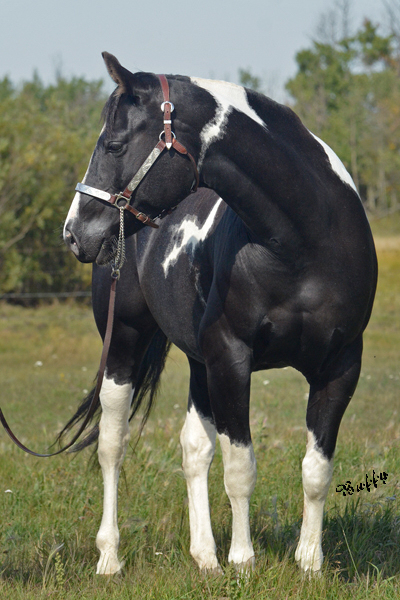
[(51, 515)]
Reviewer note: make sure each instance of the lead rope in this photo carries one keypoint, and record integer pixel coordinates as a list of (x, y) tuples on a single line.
[(115, 275)]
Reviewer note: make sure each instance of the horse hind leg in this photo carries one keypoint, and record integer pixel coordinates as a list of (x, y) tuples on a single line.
[(198, 445), (240, 474), (327, 403)]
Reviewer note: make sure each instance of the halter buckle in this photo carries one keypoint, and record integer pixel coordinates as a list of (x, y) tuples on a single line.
[(167, 102)]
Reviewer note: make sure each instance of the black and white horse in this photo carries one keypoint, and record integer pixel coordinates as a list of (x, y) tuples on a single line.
[(274, 267)]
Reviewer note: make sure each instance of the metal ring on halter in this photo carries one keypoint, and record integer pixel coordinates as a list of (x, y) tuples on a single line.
[(118, 199), (167, 102), (163, 133)]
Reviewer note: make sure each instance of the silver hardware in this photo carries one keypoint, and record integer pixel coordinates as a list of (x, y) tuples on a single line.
[(150, 160), (167, 102), (163, 133), (120, 255), (91, 191)]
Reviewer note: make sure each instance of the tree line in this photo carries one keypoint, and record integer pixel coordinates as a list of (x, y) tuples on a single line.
[(346, 90), (47, 135)]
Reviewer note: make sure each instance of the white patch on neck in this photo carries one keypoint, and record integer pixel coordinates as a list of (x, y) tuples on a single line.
[(228, 96), (192, 235), (337, 164)]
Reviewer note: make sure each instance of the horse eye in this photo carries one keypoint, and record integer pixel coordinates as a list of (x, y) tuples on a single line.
[(114, 146)]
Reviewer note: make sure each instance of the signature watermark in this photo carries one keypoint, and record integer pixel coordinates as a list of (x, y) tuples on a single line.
[(347, 488)]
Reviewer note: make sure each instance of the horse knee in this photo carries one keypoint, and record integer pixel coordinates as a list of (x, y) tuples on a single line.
[(198, 444), (114, 423)]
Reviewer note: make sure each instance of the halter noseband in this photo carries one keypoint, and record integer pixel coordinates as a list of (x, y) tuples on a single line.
[(168, 142)]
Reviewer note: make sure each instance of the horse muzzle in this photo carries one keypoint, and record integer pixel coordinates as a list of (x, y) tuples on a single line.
[(94, 248)]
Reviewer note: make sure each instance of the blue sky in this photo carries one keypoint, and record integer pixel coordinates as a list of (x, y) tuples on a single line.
[(205, 38)]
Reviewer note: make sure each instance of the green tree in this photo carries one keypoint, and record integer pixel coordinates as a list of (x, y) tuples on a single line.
[(47, 134), (348, 93)]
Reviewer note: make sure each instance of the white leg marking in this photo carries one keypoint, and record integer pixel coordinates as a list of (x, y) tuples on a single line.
[(317, 475), (192, 235), (113, 439), (198, 445), (240, 474)]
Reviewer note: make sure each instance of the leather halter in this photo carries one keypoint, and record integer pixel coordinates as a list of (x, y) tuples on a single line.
[(168, 142)]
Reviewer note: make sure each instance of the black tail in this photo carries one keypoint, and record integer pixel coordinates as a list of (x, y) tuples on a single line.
[(146, 388)]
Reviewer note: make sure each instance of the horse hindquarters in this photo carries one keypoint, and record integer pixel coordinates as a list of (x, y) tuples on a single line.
[(327, 403)]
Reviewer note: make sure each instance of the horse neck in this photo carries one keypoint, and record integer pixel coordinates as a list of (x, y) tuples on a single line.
[(269, 186)]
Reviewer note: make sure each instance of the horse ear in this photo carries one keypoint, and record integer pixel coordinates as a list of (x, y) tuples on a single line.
[(118, 73)]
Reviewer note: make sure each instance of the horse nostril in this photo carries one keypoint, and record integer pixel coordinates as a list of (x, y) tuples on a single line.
[(71, 242)]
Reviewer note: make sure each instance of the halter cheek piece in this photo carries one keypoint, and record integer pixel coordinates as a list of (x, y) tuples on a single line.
[(168, 142)]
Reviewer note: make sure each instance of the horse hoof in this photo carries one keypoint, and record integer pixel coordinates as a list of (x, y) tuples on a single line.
[(109, 566)]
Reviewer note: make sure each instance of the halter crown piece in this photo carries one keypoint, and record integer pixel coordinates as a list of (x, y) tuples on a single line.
[(168, 142)]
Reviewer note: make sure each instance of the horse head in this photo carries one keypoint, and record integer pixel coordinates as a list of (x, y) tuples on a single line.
[(142, 160)]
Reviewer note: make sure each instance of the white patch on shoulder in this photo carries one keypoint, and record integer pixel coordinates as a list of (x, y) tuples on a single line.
[(191, 235), (227, 96), (337, 164)]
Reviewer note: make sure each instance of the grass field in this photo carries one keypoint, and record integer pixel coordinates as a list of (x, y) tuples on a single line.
[(51, 508)]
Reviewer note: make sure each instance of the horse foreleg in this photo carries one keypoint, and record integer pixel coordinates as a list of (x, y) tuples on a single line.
[(327, 402), (113, 439), (198, 446)]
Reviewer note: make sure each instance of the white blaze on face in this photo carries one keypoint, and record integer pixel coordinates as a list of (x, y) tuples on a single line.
[(337, 164), (228, 96), (74, 208), (191, 235)]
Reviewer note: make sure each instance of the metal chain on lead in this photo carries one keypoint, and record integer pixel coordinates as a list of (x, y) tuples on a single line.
[(120, 256)]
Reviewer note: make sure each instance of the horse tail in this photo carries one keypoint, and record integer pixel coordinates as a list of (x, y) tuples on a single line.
[(146, 389)]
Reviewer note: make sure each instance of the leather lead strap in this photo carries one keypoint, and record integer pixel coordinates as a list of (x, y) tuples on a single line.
[(100, 377)]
